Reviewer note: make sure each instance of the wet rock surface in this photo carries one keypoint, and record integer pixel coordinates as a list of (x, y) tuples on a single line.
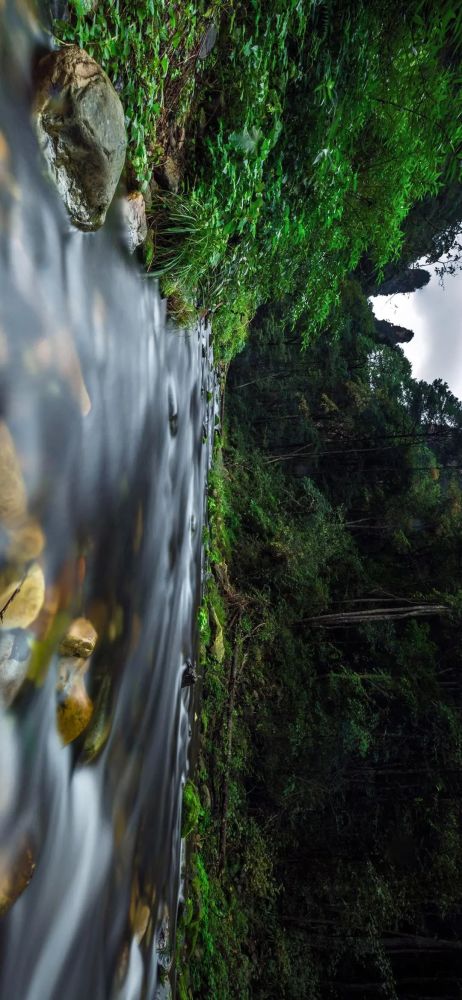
[(74, 706), (15, 876), (164, 948), (81, 130), (164, 991), (80, 639), (189, 676), (168, 174), (135, 227), (14, 662), (22, 594)]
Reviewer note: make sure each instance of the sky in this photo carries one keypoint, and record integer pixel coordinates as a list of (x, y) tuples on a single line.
[(435, 315)]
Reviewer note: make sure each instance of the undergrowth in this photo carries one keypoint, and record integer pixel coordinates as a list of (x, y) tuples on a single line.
[(311, 130)]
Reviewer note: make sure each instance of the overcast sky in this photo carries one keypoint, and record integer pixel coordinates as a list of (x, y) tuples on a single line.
[(435, 315)]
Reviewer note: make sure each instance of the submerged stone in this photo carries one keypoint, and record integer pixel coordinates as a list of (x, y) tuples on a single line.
[(26, 542), (81, 130), (80, 639), (13, 501), (134, 219), (74, 706), (141, 921), (15, 877), (21, 596), (13, 668)]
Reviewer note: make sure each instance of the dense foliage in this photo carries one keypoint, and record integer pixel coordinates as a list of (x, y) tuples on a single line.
[(311, 130), (342, 504)]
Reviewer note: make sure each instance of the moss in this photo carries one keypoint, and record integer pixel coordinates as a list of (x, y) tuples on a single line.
[(191, 809)]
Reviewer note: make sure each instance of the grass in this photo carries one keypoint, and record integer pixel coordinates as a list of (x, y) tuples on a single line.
[(149, 49)]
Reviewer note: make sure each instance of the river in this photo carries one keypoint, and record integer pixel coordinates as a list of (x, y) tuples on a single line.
[(106, 410)]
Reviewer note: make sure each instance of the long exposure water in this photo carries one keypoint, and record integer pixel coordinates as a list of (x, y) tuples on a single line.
[(103, 458)]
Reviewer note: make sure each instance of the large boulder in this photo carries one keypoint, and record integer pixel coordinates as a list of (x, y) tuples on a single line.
[(80, 125)]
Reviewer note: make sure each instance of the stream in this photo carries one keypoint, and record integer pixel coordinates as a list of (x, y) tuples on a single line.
[(106, 435)]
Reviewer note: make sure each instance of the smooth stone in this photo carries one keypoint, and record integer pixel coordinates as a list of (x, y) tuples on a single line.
[(80, 639), (12, 675), (21, 597), (13, 669), (134, 220), (81, 130), (141, 921), (15, 877), (26, 542), (13, 500), (208, 42), (167, 175), (74, 706)]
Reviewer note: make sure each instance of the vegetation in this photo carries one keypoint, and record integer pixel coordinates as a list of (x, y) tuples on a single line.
[(301, 154), (332, 729), (150, 52), (191, 809)]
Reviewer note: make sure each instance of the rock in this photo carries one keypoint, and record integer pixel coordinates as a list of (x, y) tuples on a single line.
[(164, 950), (140, 924), (13, 667), (172, 411), (80, 639), (389, 333), (134, 219), (58, 10), (189, 676), (13, 501), (81, 129), (26, 542), (168, 175), (409, 280), (74, 706), (100, 726), (164, 991), (15, 877), (21, 596), (208, 42)]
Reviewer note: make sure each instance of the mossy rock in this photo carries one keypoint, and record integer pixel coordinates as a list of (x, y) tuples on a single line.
[(218, 646), (191, 809)]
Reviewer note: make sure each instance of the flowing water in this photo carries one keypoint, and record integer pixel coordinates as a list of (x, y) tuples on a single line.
[(104, 416)]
